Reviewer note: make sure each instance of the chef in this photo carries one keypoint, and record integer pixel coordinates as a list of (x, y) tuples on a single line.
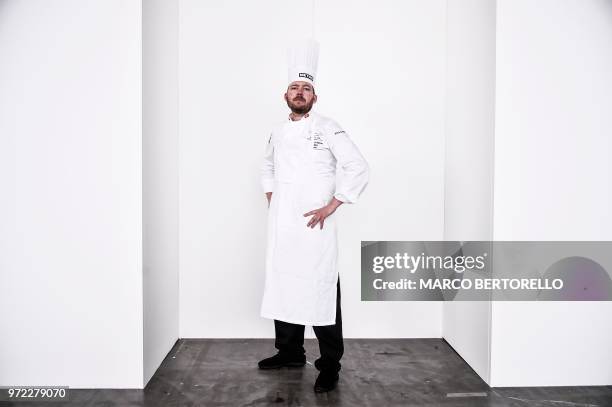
[(310, 168)]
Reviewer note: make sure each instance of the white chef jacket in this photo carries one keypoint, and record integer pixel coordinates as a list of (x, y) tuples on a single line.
[(306, 163)]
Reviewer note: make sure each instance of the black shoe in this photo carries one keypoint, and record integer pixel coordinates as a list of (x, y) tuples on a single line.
[(326, 381), (277, 361)]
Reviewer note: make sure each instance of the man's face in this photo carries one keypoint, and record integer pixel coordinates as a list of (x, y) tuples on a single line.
[(300, 97)]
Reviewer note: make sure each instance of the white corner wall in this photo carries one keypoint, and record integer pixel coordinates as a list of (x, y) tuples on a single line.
[(552, 175), (381, 75), (553, 179), (70, 213), (468, 166), (160, 180)]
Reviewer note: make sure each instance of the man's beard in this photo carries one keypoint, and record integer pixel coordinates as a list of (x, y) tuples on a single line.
[(303, 109)]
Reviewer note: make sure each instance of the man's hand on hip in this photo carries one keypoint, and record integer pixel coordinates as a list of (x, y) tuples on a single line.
[(319, 215)]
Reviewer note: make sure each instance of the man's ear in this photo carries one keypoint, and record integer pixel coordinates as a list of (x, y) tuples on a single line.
[(315, 99), (285, 96)]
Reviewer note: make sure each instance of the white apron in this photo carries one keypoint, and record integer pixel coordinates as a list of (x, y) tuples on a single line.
[(301, 273)]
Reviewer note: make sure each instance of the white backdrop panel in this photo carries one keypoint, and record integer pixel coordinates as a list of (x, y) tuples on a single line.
[(70, 206), (381, 75), (553, 179)]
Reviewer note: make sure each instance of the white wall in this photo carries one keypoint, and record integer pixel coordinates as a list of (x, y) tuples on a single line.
[(470, 125), (381, 75), (553, 179), (70, 179), (160, 180)]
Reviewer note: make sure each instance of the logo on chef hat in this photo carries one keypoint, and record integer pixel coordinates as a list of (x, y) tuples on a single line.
[(305, 75)]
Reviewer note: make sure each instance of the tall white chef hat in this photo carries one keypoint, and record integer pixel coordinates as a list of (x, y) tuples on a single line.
[(302, 58)]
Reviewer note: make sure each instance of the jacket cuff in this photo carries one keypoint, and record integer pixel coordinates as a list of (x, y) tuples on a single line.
[(341, 197)]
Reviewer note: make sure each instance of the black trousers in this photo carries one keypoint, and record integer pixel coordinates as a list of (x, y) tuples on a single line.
[(290, 340)]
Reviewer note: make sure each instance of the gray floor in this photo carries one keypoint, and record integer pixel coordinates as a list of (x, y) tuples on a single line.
[(375, 372)]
